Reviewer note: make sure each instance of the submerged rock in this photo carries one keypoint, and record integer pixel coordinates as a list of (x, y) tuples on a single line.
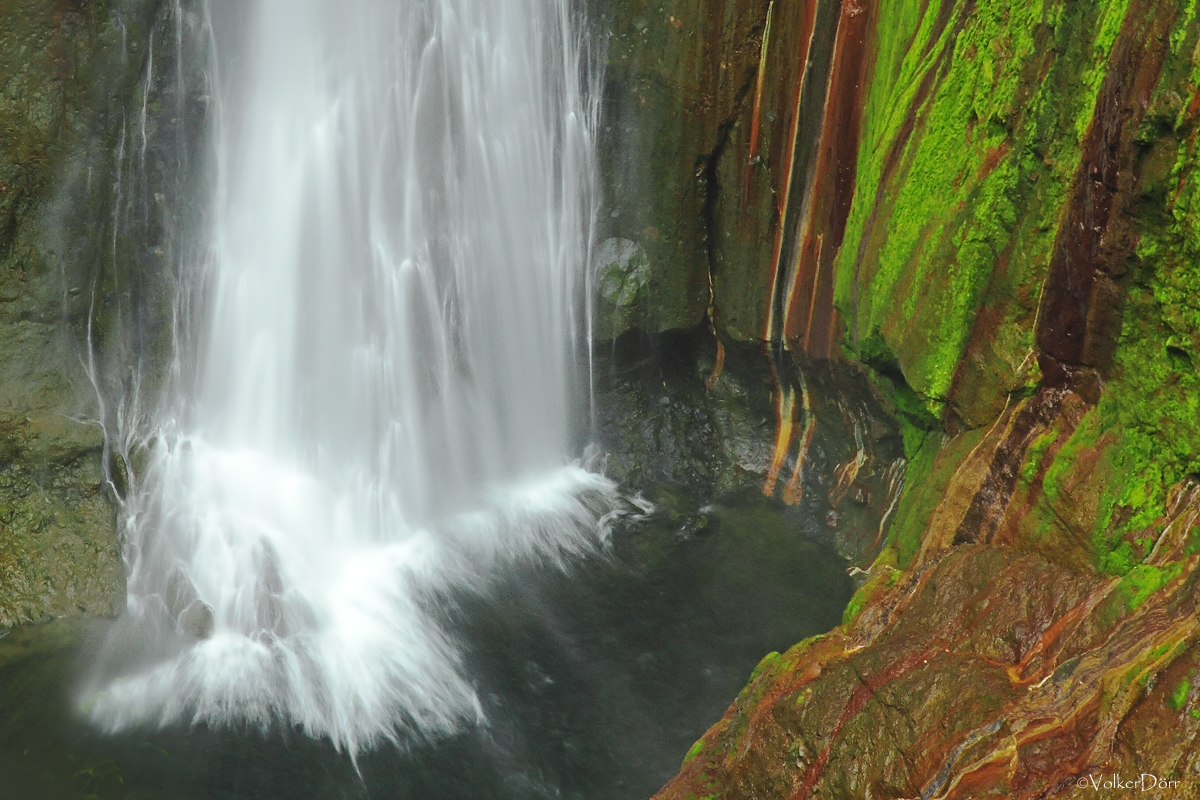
[(196, 620)]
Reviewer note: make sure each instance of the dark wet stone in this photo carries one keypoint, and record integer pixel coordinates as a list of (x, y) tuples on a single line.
[(197, 620)]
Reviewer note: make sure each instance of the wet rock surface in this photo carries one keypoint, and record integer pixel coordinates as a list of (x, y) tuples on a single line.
[(65, 69), (678, 76), (99, 125), (684, 429), (58, 554), (986, 673), (1013, 272)]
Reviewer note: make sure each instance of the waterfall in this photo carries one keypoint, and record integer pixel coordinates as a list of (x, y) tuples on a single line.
[(373, 408)]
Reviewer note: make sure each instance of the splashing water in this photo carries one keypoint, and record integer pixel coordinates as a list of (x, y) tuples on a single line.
[(377, 408)]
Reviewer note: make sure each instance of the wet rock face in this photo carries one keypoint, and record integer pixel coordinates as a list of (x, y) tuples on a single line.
[(58, 551), (66, 72), (684, 423), (992, 673), (677, 77), (1019, 270), (729, 140)]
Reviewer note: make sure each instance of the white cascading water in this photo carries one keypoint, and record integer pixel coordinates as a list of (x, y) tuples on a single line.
[(378, 409)]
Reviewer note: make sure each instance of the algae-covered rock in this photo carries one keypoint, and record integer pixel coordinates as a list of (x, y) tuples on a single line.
[(987, 672), (58, 552), (678, 75), (622, 276), (67, 72), (1018, 270)]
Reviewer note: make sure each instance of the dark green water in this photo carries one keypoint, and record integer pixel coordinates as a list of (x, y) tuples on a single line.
[(594, 683)]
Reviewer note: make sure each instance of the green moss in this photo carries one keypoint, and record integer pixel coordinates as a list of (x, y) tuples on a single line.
[(971, 138), (1156, 386), (1119, 560), (696, 750), (796, 653), (1143, 580), (1153, 397), (1178, 698), (1085, 436), (1137, 489), (884, 575), (916, 420), (763, 664), (912, 515), (1162, 650), (1193, 542), (1122, 477), (1108, 25), (928, 474), (960, 190), (855, 606), (1035, 453)]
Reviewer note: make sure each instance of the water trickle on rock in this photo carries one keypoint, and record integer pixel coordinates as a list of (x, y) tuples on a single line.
[(377, 408)]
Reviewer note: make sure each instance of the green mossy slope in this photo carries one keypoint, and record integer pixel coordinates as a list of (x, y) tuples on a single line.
[(972, 132)]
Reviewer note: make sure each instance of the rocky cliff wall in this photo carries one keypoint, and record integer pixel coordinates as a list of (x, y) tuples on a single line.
[(730, 142), (72, 80), (1018, 267)]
